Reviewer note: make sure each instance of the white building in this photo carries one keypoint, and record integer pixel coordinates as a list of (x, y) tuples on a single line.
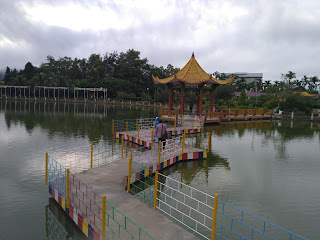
[(249, 77)]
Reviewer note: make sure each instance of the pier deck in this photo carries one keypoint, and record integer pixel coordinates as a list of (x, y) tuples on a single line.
[(110, 180)]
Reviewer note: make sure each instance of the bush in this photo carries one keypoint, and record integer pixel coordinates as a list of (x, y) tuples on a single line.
[(125, 96), (313, 92), (224, 92), (297, 102)]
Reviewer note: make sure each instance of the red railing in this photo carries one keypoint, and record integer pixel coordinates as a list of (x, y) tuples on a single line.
[(85, 201)]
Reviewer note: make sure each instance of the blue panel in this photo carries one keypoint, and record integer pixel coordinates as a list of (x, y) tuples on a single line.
[(142, 174), (90, 232), (161, 165), (50, 189), (200, 155)]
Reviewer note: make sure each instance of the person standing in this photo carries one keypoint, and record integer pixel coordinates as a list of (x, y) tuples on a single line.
[(155, 138), (161, 132)]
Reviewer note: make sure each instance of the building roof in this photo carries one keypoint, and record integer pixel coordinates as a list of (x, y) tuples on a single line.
[(191, 74), (246, 74)]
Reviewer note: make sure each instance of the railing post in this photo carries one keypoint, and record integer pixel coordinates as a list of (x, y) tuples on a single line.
[(136, 123), (103, 219), (155, 190), (91, 153), (138, 130), (129, 170), (113, 126), (122, 147), (126, 128), (46, 168), (68, 188), (175, 123), (182, 120), (159, 151), (209, 142), (152, 133), (214, 217), (182, 143)]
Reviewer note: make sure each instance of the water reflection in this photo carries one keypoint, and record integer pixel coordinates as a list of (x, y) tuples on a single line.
[(67, 119), (197, 170), (59, 226)]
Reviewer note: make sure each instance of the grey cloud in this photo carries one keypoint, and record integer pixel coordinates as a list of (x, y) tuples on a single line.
[(272, 39)]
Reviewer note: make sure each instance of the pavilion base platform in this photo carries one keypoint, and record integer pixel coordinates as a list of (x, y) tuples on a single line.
[(226, 118), (246, 117)]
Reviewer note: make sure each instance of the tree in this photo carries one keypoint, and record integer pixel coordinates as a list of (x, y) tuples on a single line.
[(295, 102), (224, 92), (287, 78), (28, 71), (240, 85), (304, 81), (313, 83), (242, 99), (7, 76)]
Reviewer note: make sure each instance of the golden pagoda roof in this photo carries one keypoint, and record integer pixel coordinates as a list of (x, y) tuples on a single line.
[(191, 74)]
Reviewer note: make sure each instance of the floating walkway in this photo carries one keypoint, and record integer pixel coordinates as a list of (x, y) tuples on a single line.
[(112, 192)]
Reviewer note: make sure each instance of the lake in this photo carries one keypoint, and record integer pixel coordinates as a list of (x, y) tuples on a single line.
[(269, 169)]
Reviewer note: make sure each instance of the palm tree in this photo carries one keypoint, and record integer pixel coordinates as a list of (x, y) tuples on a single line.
[(288, 77), (313, 82), (304, 82), (266, 84), (241, 84), (297, 85)]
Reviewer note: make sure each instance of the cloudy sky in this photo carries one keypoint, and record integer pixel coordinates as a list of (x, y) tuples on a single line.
[(268, 36)]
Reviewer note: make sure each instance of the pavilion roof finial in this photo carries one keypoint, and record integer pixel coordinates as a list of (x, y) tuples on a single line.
[(192, 55)]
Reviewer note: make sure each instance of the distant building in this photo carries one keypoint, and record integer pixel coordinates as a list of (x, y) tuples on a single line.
[(249, 77), (249, 94)]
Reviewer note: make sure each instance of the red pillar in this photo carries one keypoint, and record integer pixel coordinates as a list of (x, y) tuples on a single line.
[(182, 98), (212, 100), (201, 98)]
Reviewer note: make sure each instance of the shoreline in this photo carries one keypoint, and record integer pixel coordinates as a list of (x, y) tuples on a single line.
[(149, 104)]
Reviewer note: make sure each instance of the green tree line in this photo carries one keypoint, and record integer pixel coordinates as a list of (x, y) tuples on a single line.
[(124, 74), (286, 94)]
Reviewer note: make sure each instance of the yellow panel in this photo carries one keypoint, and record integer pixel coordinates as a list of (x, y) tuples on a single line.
[(117, 135), (205, 154), (85, 227), (63, 204), (199, 129), (180, 157), (140, 142), (146, 172), (165, 163)]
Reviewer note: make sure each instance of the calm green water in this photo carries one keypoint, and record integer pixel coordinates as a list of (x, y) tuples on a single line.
[(269, 169)]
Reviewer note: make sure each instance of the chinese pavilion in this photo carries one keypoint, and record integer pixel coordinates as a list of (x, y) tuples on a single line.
[(191, 78)]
